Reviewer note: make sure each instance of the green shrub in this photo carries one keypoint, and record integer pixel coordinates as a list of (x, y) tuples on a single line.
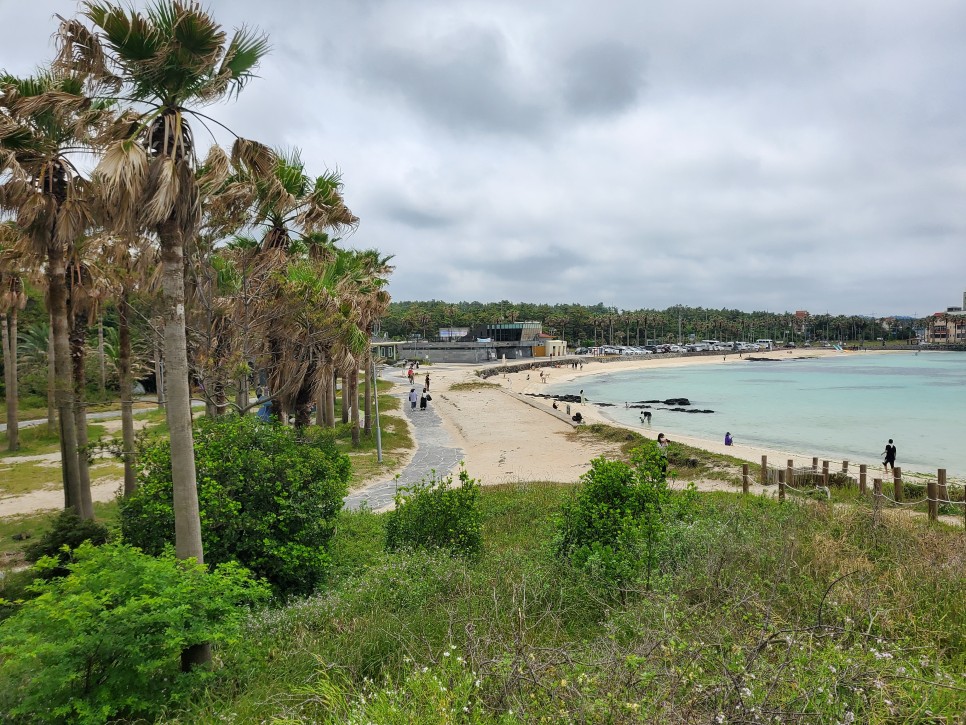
[(612, 525), (69, 530), (434, 514), (268, 497), (105, 640)]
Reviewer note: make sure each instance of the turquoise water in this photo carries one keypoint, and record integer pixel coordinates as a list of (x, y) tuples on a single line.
[(835, 407)]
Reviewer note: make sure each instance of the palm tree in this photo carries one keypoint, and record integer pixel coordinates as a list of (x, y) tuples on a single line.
[(43, 120), (129, 266), (162, 61), (295, 209), (12, 299), (85, 288)]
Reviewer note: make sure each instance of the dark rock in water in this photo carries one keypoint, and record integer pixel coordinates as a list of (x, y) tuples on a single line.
[(561, 398), (763, 359), (677, 401), (604, 405)]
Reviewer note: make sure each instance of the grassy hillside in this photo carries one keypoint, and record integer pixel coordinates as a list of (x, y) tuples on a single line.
[(761, 613)]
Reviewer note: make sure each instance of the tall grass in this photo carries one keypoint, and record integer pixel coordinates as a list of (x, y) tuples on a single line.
[(761, 612)]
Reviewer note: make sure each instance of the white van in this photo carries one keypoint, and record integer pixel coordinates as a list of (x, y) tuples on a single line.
[(765, 344)]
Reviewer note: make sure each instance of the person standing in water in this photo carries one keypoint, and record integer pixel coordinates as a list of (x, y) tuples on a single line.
[(890, 456), (728, 439)]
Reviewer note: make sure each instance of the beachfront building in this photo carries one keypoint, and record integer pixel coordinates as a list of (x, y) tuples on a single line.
[(485, 343), (947, 328)]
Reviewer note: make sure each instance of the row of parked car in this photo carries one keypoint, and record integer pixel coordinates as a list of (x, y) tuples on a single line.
[(702, 346)]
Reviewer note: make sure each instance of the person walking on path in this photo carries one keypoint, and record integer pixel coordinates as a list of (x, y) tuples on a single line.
[(890, 456), (424, 398), (413, 398), (662, 446), (427, 381)]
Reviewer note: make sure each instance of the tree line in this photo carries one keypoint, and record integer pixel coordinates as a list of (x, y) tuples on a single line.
[(586, 325), (224, 263)]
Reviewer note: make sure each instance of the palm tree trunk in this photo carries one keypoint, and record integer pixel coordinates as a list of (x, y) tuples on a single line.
[(9, 323), (52, 426), (354, 397), (345, 398), (63, 377), (330, 397), (127, 403), (159, 373), (187, 520), (320, 408), (100, 356), (78, 343), (369, 392)]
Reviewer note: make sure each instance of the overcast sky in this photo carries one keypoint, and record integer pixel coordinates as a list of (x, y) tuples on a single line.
[(751, 154)]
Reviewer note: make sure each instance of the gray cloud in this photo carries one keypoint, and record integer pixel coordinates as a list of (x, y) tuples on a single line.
[(807, 154)]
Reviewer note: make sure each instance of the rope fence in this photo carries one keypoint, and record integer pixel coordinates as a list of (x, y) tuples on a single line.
[(814, 481)]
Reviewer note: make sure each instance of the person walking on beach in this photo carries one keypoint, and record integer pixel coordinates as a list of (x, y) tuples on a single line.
[(424, 398), (890, 456), (728, 439), (427, 381), (413, 398)]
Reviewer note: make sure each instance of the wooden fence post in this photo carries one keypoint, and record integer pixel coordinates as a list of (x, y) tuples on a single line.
[(825, 473), (744, 478), (781, 486), (876, 493), (814, 464), (790, 473), (933, 503), (764, 470), (845, 467), (863, 473), (943, 490), (897, 483)]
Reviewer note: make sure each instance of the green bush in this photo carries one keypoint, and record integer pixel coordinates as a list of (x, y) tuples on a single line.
[(268, 496), (105, 640), (613, 524), (69, 530), (434, 514)]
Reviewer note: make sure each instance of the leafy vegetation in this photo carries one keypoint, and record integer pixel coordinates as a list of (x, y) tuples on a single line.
[(105, 640), (268, 495), (615, 521), (69, 530), (434, 514), (756, 610)]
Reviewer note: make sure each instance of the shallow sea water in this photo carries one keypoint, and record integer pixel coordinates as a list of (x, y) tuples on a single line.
[(835, 407)]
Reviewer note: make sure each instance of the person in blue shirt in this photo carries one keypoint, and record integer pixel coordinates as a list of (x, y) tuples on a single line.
[(728, 439)]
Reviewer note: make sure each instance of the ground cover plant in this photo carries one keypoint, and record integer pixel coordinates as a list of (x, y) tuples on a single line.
[(757, 611)]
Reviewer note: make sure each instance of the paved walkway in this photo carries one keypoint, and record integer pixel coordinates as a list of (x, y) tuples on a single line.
[(435, 452)]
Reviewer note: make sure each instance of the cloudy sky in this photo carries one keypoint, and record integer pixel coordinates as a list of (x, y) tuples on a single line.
[(751, 154)]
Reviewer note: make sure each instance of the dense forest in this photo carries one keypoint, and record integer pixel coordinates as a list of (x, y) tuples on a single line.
[(598, 324)]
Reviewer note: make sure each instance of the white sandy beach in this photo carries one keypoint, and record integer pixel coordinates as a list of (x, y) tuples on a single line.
[(506, 439)]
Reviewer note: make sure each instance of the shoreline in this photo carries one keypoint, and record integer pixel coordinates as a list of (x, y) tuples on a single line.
[(748, 452)]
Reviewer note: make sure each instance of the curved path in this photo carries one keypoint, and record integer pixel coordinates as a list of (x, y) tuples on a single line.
[(435, 454)]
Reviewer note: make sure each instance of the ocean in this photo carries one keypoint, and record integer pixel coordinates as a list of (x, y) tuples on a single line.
[(839, 408)]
